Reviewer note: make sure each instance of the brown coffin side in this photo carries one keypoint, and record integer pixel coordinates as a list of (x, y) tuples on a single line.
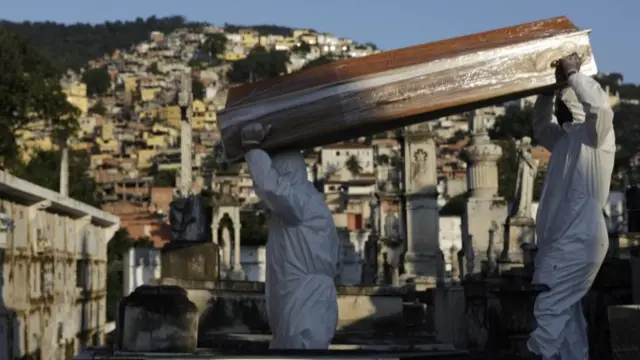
[(342, 116), (352, 68)]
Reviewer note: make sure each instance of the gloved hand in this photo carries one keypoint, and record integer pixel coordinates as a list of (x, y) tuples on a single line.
[(567, 66), (252, 135)]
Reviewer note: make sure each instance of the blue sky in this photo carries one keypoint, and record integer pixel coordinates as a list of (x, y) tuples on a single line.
[(389, 24)]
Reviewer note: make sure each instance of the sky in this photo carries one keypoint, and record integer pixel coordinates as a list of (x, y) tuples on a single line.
[(387, 23)]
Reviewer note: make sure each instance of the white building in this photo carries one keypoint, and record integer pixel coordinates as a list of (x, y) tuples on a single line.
[(335, 157), (54, 272)]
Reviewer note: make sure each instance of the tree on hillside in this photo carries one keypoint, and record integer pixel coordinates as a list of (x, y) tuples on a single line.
[(322, 60), (626, 123), (262, 29), (215, 46), (302, 47), (29, 91), (165, 178), (73, 45), (258, 65), (614, 81), (98, 108), (197, 89), (516, 123), (98, 81), (353, 165), (153, 68), (44, 169)]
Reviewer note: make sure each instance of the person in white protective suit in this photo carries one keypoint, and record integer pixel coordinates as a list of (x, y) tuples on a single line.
[(570, 226), (302, 249)]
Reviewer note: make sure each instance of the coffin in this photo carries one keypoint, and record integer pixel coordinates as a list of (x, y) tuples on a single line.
[(363, 96)]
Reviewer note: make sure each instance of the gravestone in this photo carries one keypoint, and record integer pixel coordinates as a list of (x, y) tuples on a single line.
[(157, 319), (190, 261)]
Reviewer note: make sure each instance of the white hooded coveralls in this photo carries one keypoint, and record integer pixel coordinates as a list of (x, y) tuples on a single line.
[(302, 253), (571, 231)]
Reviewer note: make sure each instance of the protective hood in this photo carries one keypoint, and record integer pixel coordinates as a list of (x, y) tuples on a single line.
[(291, 166), (570, 99)]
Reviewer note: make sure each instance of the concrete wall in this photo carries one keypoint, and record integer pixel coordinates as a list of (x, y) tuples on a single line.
[(253, 260), (239, 307), (53, 271), (142, 266)]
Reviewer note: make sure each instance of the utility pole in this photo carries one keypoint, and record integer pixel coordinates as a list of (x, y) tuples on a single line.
[(185, 99)]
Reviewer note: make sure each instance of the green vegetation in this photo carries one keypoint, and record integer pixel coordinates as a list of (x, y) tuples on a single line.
[(153, 68), (98, 81), (517, 123), (197, 89), (261, 29), (322, 60), (615, 83), (353, 165), (98, 108), (165, 178), (215, 47), (259, 64), (73, 46), (120, 243), (44, 169), (303, 48), (30, 91)]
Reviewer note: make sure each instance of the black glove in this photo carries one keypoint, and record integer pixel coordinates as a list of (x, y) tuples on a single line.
[(567, 66), (252, 135)]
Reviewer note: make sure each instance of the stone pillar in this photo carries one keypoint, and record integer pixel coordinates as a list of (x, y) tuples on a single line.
[(236, 245), (185, 99), (237, 273), (421, 203), (483, 205)]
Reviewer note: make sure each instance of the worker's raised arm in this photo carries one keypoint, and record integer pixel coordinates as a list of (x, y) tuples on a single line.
[(546, 129), (595, 104), (274, 190)]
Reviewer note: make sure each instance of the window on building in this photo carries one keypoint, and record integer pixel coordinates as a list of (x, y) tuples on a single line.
[(81, 274)]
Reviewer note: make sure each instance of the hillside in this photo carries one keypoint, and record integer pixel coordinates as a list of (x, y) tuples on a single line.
[(72, 46)]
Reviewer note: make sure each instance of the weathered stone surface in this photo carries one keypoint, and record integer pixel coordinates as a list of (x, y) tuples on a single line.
[(611, 287), (157, 319), (450, 321), (624, 321), (635, 274), (239, 306), (190, 261)]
